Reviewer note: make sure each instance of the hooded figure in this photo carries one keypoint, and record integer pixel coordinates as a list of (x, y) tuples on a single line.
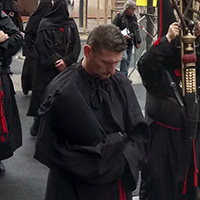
[(29, 44), (10, 7), (171, 171), (10, 126), (58, 46)]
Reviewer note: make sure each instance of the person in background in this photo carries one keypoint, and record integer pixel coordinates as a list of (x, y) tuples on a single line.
[(10, 125), (92, 133), (127, 22), (29, 51), (57, 46)]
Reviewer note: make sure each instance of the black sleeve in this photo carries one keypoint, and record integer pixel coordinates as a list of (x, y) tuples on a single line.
[(149, 64), (137, 129), (11, 46), (74, 48)]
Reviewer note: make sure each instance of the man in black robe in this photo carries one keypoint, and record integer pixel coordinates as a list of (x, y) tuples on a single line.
[(58, 46), (10, 126), (171, 171), (29, 50), (92, 134)]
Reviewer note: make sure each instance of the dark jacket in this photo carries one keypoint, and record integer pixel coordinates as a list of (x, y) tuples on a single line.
[(121, 20)]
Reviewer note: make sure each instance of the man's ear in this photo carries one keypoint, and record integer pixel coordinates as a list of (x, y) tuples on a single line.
[(87, 50)]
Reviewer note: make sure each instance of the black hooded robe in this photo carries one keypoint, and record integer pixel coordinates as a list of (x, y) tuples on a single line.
[(171, 167), (7, 49), (92, 134), (29, 50), (53, 43)]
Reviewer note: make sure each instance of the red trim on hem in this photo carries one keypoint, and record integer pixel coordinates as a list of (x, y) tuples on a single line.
[(195, 166), (170, 127), (122, 193)]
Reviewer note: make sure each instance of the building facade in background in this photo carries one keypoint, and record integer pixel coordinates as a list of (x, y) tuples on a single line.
[(28, 6)]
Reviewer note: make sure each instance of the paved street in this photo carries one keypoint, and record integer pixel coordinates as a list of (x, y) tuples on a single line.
[(25, 178)]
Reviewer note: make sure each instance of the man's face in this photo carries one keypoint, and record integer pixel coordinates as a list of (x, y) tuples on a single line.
[(130, 11), (102, 63)]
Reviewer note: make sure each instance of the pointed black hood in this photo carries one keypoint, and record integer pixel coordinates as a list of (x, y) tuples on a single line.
[(34, 20), (58, 17)]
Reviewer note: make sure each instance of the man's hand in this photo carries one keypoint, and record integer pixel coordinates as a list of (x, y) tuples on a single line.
[(127, 37), (60, 65), (173, 31), (139, 45), (3, 37)]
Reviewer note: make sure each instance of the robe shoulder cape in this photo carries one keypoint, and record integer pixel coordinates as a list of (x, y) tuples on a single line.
[(72, 139)]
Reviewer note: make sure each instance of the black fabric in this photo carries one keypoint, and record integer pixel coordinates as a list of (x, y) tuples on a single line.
[(34, 20), (7, 49), (52, 44), (82, 138), (9, 5), (171, 147), (58, 17), (29, 50)]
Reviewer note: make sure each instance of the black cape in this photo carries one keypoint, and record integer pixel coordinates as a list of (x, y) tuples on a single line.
[(93, 139), (7, 49)]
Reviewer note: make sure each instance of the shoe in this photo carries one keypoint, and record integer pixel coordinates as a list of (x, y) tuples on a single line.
[(34, 128), (2, 168)]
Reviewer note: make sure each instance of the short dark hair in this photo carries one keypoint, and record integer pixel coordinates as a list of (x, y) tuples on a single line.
[(107, 36)]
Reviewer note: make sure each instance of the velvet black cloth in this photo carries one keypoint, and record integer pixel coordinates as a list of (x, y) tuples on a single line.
[(7, 49), (92, 133), (171, 153), (29, 50), (57, 38)]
